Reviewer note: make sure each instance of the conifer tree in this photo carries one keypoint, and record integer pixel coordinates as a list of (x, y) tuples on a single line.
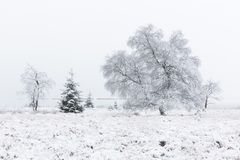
[(71, 100), (89, 103)]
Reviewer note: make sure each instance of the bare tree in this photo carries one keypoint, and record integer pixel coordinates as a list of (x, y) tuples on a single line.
[(211, 90), (157, 72), (36, 85)]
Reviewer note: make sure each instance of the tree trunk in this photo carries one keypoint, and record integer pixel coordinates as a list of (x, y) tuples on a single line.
[(161, 111), (33, 103), (206, 103), (33, 106), (36, 105)]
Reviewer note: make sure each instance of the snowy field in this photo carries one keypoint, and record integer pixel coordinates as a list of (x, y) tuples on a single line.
[(102, 135)]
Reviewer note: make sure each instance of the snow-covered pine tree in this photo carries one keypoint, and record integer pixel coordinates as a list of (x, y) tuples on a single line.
[(89, 103), (71, 100)]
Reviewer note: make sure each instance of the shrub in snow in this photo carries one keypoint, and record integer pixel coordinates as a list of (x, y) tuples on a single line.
[(156, 73), (89, 103), (71, 101), (219, 144), (162, 143), (114, 106)]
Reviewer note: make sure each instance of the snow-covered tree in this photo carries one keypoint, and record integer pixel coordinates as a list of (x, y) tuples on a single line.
[(210, 90), (89, 103), (36, 85), (71, 100), (156, 73)]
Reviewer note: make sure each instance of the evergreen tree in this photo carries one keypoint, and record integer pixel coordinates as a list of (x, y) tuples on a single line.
[(89, 103), (71, 101)]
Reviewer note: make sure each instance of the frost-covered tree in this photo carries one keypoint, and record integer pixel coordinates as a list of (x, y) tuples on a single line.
[(71, 100), (210, 90), (89, 103), (36, 85), (156, 73)]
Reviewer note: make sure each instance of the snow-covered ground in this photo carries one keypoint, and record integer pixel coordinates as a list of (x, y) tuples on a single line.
[(99, 134)]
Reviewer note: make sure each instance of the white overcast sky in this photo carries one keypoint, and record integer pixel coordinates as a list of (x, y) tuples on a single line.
[(56, 35)]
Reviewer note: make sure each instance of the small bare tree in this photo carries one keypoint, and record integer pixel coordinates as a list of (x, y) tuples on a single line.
[(36, 85), (211, 91)]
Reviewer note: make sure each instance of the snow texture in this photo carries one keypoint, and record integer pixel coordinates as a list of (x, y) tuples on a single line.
[(99, 134)]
